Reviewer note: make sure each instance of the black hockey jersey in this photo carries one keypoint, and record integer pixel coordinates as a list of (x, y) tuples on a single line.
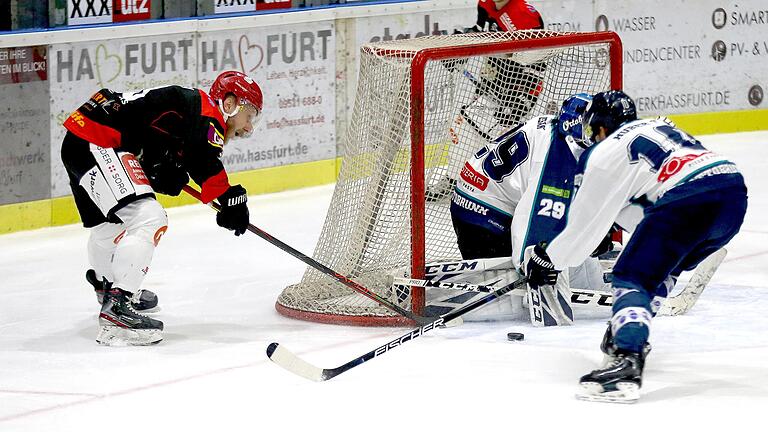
[(183, 122)]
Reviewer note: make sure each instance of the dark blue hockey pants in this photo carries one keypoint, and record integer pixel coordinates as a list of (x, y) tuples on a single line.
[(672, 237)]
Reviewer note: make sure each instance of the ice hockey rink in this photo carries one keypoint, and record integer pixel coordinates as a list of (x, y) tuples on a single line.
[(708, 369)]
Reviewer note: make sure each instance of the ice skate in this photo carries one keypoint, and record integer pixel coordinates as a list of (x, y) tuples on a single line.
[(618, 382), (121, 325), (142, 300)]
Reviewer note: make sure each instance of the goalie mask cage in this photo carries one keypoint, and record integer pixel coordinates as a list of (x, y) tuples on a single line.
[(423, 107)]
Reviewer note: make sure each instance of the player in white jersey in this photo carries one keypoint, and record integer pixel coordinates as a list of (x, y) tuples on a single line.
[(683, 203)]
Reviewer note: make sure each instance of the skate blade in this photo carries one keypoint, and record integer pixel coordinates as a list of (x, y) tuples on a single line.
[(111, 335), (625, 393)]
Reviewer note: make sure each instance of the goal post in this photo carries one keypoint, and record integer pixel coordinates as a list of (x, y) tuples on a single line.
[(423, 107)]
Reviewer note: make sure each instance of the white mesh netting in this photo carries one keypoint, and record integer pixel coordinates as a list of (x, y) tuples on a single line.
[(468, 99)]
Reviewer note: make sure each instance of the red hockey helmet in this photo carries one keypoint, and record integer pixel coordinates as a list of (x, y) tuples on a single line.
[(239, 84)]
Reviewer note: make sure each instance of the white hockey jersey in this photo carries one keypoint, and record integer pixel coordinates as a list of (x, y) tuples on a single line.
[(628, 171), (509, 176)]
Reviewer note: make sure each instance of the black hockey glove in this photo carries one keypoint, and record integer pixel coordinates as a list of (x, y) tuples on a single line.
[(234, 210), (606, 245), (165, 172), (539, 268)]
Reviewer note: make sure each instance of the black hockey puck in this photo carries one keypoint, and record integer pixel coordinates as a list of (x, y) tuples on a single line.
[(515, 336)]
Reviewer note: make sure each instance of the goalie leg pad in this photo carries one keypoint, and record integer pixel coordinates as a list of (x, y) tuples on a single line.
[(507, 308), (589, 275), (493, 272)]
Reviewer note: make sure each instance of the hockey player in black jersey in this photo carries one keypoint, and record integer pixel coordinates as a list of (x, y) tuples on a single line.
[(122, 148)]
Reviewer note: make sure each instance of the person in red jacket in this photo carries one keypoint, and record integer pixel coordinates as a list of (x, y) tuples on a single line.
[(122, 148), (510, 88), (515, 86), (507, 15)]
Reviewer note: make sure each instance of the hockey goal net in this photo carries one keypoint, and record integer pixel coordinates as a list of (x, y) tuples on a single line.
[(423, 107)]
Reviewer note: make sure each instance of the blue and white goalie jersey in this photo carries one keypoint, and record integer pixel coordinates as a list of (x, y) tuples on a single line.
[(633, 168), (524, 179)]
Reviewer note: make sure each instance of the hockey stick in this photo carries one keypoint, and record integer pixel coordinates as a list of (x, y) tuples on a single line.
[(322, 268), (475, 126), (463, 111), (290, 362)]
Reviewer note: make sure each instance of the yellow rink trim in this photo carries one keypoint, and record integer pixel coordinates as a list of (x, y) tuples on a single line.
[(722, 122), (62, 211)]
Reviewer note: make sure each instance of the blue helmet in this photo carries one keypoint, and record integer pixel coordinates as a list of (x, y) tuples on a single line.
[(609, 110), (570, 119)]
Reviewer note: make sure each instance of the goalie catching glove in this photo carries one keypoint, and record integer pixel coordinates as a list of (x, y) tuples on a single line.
[(539, 268), (234, 210)]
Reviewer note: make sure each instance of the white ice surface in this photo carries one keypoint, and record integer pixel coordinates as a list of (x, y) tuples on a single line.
[(708, 369)]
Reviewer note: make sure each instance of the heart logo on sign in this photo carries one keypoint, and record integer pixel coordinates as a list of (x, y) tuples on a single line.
[(248, 53), (105, 60)]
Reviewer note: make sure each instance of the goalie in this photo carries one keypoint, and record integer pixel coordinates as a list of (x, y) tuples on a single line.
[(515, 193)]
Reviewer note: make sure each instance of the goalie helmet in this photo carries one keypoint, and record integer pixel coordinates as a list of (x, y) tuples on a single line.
[(239, 84), (571, 117), (609, 110)]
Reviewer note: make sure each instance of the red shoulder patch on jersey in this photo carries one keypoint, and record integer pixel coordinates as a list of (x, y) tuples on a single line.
[(91, 131), (214, 187), (474, 178)]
